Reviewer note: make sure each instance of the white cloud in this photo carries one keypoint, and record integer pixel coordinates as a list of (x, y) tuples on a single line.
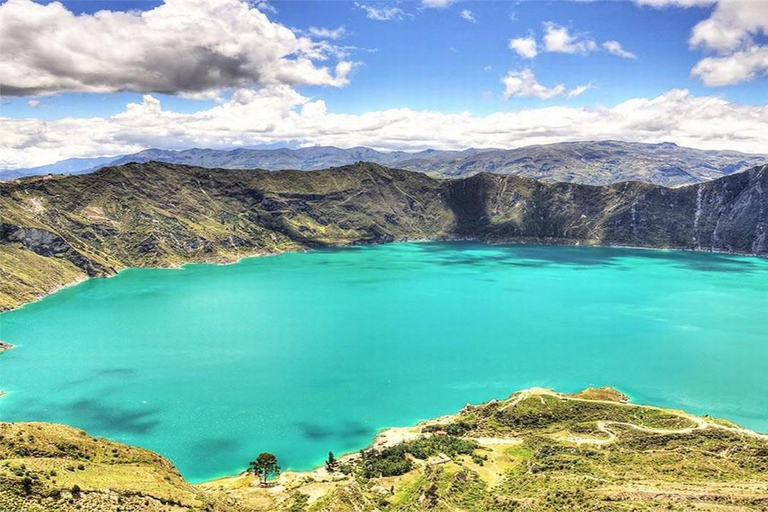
[(558, 39), (524, 46), (264, 6), (616, 48), (732, 25), (33, 103), (467, 15), (278, 114), (327, 33), (581, 89), (523, 83), (436, 4), (382, 13), (734, 68), (676, 3), (729, 32), (179, 47)]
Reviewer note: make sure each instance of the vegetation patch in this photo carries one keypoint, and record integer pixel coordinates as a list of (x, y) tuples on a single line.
[(536, 450)]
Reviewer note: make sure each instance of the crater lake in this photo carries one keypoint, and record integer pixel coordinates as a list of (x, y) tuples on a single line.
[(303, 353)]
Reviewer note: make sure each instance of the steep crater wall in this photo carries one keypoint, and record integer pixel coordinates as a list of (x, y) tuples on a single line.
[(157, 214)]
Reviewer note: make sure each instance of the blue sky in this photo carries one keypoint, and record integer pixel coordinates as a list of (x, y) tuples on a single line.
[(434, 59), (449, 59)]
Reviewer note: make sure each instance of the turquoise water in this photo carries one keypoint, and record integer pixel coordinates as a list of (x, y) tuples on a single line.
[(300, 354)]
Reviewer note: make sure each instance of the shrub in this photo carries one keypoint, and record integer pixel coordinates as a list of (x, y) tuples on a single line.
[(392, 461)]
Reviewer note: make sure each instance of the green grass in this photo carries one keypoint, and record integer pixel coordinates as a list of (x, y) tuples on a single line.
[(41, 464), (23, 274), (527, 464)]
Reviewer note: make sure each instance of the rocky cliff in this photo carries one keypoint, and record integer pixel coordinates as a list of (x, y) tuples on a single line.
[(56, 230)]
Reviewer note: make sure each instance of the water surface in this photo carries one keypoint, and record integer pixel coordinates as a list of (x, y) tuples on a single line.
[(300, 354)]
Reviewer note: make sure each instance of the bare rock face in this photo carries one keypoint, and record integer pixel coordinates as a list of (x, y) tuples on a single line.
[(39, 241), (48, 244), (729, 214), (157, 214)]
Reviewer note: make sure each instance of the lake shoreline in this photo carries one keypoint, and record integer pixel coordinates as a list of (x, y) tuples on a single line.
[(262, 254), (468, 445), (391, 436), (449, 276)]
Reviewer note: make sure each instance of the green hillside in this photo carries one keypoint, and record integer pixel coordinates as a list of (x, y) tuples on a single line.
[(536, 450), (58, 230)]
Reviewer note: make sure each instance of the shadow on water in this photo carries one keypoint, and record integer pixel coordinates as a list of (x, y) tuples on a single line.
[(533, 256), (119, 419), (95, 416), (220, 446), (109, 373), (342, 431)]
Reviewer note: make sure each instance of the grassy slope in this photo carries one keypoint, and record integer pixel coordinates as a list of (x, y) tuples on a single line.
[(156, 215), (41, 463), (164, 215), (536, 450), (22, 273)]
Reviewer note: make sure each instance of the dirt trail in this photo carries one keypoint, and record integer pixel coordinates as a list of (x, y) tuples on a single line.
[(603, 426)]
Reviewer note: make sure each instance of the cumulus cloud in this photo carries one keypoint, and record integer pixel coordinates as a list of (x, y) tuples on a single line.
[(734, 68), (523, 83), (179, 47), (467, 15), (730, 33), (33, 103), (524, 46), (732, 26), (616, 48), (279, 114), (382, 13), (558, 39)]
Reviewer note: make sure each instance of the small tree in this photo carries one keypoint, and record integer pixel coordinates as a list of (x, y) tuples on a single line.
[(264, 467), (331, 463)]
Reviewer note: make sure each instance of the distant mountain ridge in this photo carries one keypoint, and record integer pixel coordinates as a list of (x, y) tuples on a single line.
[(589, 163)]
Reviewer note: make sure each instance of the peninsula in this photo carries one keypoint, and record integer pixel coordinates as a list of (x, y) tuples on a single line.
[(535, 450)]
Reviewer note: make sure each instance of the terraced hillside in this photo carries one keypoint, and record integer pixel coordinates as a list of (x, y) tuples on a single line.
[(58, 230), (536, 450)]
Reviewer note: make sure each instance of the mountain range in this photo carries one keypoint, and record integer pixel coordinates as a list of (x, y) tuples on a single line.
[(59, 229), (591, 163)]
